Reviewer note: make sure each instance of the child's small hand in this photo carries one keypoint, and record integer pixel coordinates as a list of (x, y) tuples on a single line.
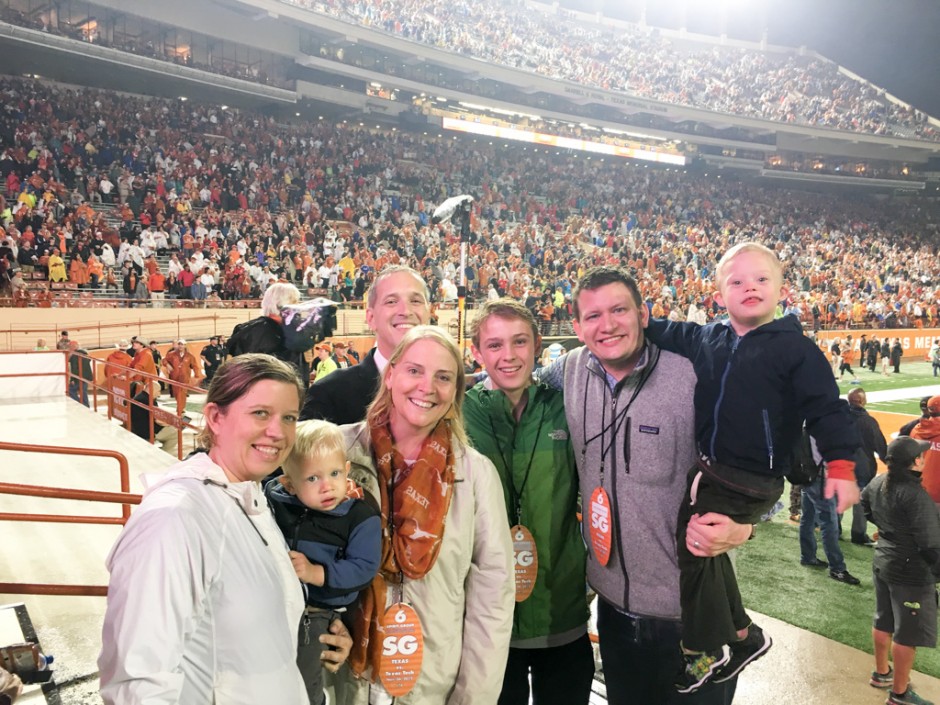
[(845, 491), (308, 572)]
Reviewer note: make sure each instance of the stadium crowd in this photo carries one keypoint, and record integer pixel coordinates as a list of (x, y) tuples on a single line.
[(633, 59), (642, 62), (238, 201)]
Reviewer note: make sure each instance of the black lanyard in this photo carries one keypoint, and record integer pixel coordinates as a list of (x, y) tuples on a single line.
[(617, 420), (515, 496)]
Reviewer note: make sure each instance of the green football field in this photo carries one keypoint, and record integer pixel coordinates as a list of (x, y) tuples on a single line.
[(913, 374), (771, 578)]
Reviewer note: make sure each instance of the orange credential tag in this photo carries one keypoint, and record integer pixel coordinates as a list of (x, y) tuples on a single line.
[(599, 528), (526, 561), (402, 650)]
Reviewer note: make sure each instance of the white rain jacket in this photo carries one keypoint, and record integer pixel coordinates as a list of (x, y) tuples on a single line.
[(200, 610)]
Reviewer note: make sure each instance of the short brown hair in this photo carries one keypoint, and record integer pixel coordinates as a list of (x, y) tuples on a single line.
[(389, 271), (596, 277), (239, 374), (503, 308)]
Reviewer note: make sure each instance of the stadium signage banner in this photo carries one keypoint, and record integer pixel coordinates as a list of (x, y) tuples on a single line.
[(916, 342), (506, 132)]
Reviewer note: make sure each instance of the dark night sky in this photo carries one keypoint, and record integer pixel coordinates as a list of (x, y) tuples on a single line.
[(894, 44)]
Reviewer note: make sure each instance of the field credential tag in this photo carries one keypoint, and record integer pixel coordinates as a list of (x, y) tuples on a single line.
[(402, 650)]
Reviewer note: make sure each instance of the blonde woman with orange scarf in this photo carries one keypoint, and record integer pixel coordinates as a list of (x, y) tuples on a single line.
[(446, 546)]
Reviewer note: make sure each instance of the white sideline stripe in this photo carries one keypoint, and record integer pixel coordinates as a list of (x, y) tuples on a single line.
[(888, 395)]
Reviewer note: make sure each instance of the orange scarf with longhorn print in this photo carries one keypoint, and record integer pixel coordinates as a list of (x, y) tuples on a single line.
[(414, 501)]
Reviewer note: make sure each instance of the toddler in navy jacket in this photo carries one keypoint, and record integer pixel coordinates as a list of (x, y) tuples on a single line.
[(335, 543), (758, 379)]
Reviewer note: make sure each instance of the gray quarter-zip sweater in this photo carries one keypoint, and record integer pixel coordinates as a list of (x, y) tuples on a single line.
[(641, 432)]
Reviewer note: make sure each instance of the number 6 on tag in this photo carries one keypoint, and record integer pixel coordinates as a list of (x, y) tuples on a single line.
[(402, 650)]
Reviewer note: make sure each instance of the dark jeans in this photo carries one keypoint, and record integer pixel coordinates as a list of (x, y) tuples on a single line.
[(712, 611), (642, 658), (819, 510), (561, 675), (78, 390)]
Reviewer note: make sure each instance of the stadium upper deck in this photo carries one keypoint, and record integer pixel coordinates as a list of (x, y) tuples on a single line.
[(530, 58), (781, 86)]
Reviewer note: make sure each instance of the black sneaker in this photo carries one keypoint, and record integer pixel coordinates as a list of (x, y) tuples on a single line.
[(844, 576), (882, 680), (698, 669), (908, 697), (863, 541), (750, 648), (815, 563)]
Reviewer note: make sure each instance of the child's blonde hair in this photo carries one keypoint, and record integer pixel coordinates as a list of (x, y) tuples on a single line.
[(314, 439), (748, 247)]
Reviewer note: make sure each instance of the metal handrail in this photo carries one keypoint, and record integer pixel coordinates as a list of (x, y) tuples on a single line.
[(153, 409), (63, 493), (125, 498)]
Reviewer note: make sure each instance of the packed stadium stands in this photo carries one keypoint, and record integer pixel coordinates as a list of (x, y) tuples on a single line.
[(643, 62), (92, 173)]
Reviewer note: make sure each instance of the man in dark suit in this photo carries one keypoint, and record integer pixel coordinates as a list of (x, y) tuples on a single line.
[(398, 301)]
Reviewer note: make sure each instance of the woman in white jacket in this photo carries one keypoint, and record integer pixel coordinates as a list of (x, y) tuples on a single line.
[(446, 549), (203, 602)]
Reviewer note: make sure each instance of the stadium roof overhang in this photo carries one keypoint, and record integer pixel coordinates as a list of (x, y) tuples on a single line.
[(25, 51)]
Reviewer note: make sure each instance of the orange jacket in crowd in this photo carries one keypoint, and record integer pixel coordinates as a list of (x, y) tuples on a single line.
[(156, 282), (929, 430), (180, 367), (143, 361), (118, 357)]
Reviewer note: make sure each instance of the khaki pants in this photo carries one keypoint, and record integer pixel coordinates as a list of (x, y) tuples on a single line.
[(167, 438)]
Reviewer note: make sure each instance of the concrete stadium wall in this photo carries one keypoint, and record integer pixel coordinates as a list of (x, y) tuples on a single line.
[(101, 328)]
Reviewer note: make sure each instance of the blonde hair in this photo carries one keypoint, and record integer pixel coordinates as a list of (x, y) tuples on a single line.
[(237, 376), (726, 258), (381, 407), (277, 296), (314, 439)]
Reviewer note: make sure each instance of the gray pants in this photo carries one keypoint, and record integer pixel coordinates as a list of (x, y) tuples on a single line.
[(314, 623)]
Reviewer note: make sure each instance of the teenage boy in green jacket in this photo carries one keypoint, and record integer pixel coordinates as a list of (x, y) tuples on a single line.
[(521, 427)]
